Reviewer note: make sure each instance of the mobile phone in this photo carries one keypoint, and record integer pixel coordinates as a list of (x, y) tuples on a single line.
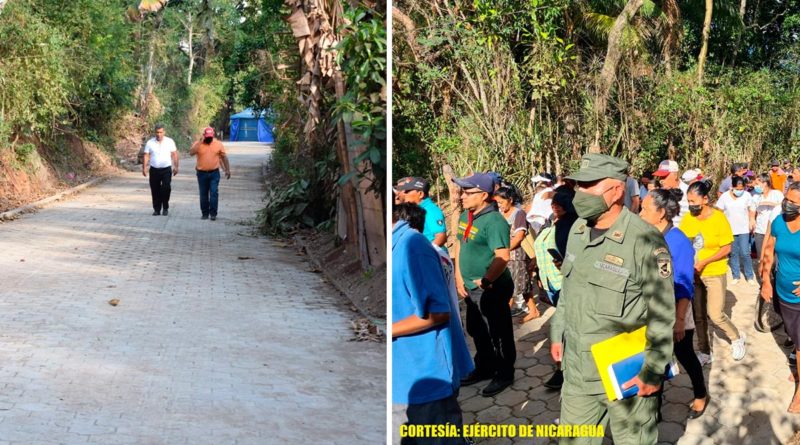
[(556, 255)]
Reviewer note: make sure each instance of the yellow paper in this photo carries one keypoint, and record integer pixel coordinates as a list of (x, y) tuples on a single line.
[(616, 349)]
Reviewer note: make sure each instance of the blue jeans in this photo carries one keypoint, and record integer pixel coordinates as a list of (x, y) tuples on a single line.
[(740, 255), (209, 191)]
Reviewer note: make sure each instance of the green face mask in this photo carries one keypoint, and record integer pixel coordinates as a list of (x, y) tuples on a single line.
[(588, 206)]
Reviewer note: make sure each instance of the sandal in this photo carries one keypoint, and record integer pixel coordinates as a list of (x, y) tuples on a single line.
[(531, 316), (693, 414)]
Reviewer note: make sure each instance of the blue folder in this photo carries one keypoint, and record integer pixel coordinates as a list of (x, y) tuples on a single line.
[(624, 370)]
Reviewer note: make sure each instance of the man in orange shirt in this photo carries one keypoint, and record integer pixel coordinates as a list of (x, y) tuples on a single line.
[(778, 176), (210, 153)]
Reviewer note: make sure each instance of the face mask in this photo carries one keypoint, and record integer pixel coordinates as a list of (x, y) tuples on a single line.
[(758, 190), (588, 206), (738, 193), (790, 210), (695, 210)]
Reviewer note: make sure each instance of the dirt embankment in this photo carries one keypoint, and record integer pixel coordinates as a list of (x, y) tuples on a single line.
[(32, 169)]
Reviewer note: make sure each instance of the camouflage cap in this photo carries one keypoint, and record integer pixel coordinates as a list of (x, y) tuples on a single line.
[(595, 166)]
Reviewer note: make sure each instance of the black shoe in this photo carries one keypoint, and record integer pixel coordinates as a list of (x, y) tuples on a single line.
[(496, 386), (165, 212), (473, 378), (556, 381), (204, 217), (156, 213), (213, 217), (788, 344)]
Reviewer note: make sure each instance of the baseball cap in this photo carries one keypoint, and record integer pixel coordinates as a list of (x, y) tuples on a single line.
[(412, 183), (208, 132), (666, 167), (595, 166), (480, 181), (690, 175)]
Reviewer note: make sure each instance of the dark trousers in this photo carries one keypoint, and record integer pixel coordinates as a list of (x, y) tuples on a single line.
[(489, 325), (684, 352), (160, 187), (209, 191), (439, 412)]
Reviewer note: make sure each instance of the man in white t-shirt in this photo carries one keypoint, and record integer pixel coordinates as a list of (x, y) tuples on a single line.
[(540, 210), (161, 161)]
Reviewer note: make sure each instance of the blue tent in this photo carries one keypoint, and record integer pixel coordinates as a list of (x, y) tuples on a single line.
[(245, 126)]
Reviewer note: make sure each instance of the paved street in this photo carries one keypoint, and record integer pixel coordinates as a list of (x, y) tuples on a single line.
[(748, 398), (220, 337)]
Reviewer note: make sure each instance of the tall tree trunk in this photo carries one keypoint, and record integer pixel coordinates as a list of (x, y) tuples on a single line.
[(348, 191), (742, 12), (701, 59), (609, 72), (148, 69), (191, 49), (672, 36)]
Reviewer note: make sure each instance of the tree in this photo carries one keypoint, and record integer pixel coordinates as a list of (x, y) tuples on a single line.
[(701, 58), (613, 54)]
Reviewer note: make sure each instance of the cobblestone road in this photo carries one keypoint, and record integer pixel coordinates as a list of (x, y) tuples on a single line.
[(203, 348), (748, 399)]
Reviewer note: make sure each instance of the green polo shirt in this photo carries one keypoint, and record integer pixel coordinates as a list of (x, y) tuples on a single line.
[(490, 231)]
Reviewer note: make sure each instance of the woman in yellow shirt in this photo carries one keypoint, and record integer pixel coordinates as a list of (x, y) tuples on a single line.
[(711, 236)]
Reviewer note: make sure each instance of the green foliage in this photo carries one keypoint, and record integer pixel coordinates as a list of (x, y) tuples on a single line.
[(301, 202), (24, 152), (480, 89), (64, 64), (285, 208), (362, 57), (34, 83)]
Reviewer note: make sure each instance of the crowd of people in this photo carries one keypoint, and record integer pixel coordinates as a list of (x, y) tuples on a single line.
[(611, 254)]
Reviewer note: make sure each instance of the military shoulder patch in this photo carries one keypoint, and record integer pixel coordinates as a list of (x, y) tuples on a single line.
[(664, 267), (660, 251)]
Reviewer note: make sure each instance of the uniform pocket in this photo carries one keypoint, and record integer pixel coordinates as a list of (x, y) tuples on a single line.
[(609, 289), (566, 268)]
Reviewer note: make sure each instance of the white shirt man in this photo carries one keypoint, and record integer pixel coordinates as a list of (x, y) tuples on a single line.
[(161, 155), (540, 210), (160, 151)]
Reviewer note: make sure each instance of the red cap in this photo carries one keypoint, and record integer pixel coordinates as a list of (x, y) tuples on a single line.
[(208, 132)]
